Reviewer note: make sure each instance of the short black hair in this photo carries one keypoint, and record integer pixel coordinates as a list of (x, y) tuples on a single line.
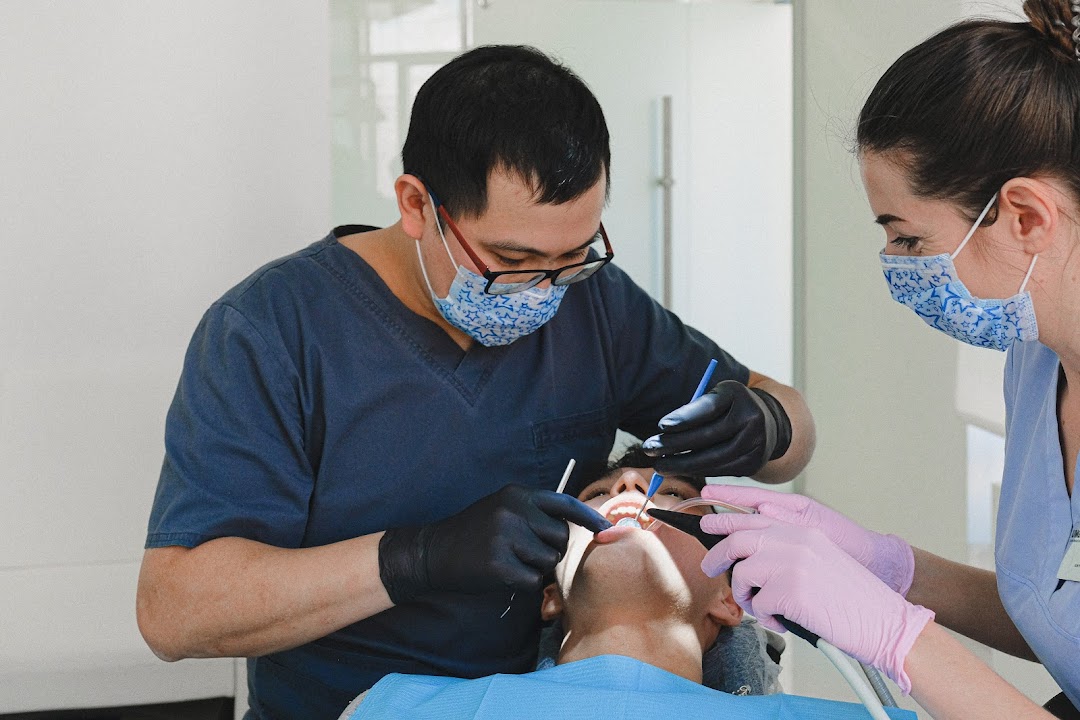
[(509, 108), (633, 457)]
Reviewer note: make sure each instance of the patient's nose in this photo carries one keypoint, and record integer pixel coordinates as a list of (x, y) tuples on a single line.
[(629, 481)]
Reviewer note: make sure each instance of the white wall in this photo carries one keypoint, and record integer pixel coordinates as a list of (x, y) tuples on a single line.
[(879, 383), (734, 267), (153, 154)]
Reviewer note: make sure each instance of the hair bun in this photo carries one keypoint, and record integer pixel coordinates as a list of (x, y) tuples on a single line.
[(1059, 22)]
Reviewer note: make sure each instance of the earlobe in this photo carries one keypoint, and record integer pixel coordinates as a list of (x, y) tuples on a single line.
[(413, 204), (1032, 212), (552, 605)]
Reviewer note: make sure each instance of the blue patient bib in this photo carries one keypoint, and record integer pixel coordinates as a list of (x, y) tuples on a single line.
[(609, 687)]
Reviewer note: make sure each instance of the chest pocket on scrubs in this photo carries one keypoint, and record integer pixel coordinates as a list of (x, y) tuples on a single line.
[(587, 437)]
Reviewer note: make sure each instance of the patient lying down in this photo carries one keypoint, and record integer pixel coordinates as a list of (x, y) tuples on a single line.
[(638, 615)]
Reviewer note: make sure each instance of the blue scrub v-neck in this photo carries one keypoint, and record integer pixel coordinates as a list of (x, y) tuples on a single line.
[(468, 369)]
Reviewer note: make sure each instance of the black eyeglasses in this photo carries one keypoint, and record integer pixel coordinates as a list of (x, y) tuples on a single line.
[(507, 282)]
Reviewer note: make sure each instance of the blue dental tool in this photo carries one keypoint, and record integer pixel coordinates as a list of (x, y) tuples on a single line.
[(657, 478)]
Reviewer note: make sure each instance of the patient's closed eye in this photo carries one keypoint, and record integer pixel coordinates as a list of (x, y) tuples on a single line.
[(679, 490)]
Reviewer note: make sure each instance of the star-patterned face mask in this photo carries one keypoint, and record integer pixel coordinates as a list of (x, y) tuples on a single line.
[(491, 319), (931, 287)]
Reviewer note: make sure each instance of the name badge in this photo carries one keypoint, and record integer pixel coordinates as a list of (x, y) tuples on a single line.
[(1070, 564)]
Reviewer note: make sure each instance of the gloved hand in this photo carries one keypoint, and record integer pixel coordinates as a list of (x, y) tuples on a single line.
[(730, 430), (508, 540), (887, 556), (799, 573)]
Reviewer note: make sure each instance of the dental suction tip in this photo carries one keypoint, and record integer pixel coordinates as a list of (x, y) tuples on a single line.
[(687, 523)]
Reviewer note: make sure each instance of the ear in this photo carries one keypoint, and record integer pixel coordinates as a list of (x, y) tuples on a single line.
[(414, 204), (552, 605), (1030, 208), (722, 609)]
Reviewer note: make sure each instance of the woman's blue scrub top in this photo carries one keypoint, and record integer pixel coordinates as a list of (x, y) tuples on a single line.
[(1036, 517), (315, 407)]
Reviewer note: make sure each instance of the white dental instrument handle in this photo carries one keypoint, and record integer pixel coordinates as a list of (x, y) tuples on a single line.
[(566, 475)]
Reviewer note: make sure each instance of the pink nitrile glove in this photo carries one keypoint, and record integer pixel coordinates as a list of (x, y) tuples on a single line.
[(797, 572), (888, 556)]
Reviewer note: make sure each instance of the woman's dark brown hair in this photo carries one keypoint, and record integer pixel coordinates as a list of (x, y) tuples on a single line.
[(980, 103)]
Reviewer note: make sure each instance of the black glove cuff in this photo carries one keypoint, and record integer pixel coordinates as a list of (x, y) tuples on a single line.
[(403, 563), (781, 430)]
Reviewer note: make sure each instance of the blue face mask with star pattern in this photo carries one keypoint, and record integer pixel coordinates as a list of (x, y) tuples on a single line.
[(931, 288), (491, 319)]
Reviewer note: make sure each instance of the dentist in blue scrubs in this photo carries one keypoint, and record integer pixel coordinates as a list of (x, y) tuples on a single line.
[(970, 154), (361, 454)]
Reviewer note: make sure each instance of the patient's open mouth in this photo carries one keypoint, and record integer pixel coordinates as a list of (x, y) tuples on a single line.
[(627, 510)]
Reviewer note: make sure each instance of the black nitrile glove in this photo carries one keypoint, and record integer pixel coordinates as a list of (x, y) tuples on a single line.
[(509, 540), (732, 430)]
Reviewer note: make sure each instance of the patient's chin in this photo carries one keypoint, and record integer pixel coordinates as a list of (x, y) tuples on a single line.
[(637, 566)]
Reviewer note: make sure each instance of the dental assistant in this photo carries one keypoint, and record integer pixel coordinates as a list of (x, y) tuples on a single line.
[(361, 455), (970, 154)]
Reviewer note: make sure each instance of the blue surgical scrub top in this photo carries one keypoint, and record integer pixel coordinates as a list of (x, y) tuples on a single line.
[(607, 686), (315, 407), (1036, 517)]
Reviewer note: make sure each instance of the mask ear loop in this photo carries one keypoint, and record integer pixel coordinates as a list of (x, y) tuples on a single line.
[(438, 226), (1027, 277), (442, 235), (971, 232)]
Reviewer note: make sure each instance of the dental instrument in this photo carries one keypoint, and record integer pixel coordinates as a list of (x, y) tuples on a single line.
[(657, 478), (691, 525), (566, 475)]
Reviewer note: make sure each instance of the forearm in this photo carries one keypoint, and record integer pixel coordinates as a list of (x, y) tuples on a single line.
[(951, 683), (803, 434), (233, 597), (966, 600)]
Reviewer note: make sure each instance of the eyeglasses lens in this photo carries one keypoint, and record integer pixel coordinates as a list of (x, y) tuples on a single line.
[(577, 274), (507, 283)]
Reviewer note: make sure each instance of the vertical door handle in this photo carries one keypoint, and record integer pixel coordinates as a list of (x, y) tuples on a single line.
[(665, 181)]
